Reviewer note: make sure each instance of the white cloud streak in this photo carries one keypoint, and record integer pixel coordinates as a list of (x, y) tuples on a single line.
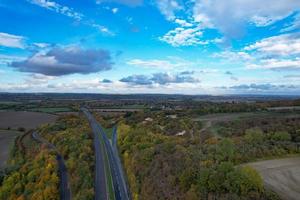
[(13, 41)]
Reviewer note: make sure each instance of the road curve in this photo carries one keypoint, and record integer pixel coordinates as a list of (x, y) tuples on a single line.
[(65, 192), (101, 190), (119, 184)]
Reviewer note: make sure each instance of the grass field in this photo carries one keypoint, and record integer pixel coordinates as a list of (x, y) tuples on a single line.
[(209, 121), (7, 138), (27, 120), (51, 110), (9, 103)]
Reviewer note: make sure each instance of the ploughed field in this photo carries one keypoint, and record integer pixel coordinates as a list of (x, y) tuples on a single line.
[(7, 138), (24, 119), (281, 175), (11, 121)]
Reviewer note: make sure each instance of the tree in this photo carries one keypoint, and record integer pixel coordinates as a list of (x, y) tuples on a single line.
[(225, 150), (281, 136), (254, 136)]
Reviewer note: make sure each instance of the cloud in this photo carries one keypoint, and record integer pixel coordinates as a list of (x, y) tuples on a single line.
[(137, 80), (114, 10), (228, 73), (276, 64), (69, 12), (187, 73), (131, 3), (262, 87), (9, 40), (159, 64), (41, 45), (232, 77), (183, 23), (64, 61), (282, 45), (168, 8), (6, 59), (182, 36), (294, 25), (159, 78), (292, 76), (106, 81), (233, 56), (53, 6), (231, 16)]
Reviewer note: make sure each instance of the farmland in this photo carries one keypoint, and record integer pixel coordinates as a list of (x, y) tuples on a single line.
[(183, 149), (23, 119), (7, 138), (281, 175)]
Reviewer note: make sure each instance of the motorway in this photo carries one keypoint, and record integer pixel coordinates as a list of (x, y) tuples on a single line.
[(101, 189), (65, 192), (119, 184)]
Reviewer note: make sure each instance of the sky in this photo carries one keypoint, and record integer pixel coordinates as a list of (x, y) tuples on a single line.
[(215, 47)]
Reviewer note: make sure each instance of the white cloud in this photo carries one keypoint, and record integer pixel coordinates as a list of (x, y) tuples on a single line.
[(159, 64), (183, 23), (231, 16), (7, 59), (276, 64), (294, 25), (69, 12), (168, 8), (41, 45), (9, 40), (239, 56), (64, 10), (115, 10), (181, 36), (282, 45)]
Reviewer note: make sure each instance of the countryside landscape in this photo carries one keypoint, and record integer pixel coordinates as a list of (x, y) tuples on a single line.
[(150, 100), (149, 147)]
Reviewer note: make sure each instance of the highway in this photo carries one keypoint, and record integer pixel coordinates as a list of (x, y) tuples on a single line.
[(119, 184), (101, 190), (65, 192)]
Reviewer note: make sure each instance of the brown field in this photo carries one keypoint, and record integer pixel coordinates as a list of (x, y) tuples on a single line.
[(28, 120), (282, 176), (6, 141)]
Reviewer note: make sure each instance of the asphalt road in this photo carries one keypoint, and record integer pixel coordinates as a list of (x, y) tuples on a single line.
[(65, 192), (101, 190), (119, 184)]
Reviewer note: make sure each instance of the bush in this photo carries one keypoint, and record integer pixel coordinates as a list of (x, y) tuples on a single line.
[(281, 136)]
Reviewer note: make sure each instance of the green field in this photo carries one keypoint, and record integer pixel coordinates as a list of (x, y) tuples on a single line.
[(52, 110), (9, 103)]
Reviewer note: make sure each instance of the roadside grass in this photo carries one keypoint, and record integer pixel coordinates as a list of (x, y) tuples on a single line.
[(108, 132), (51, 109), (294, 155)]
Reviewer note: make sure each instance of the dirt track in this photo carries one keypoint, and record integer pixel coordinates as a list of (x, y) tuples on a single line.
[(282, 176)]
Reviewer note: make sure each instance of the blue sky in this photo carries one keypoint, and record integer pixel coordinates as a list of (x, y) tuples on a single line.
[(156, 46)]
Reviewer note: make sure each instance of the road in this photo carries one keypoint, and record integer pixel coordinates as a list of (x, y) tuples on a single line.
[(119, 184), (101, 190), (281, 175), (65, 192)]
